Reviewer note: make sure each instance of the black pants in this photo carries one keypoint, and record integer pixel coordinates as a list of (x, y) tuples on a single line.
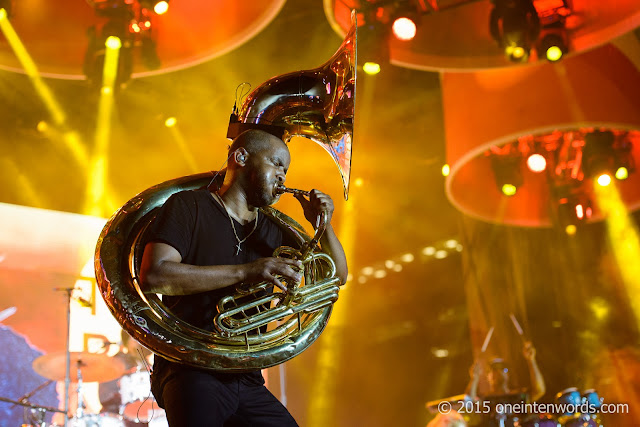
[(197, 399)]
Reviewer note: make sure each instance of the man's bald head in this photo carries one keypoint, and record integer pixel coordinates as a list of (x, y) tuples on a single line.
[(255, 141)]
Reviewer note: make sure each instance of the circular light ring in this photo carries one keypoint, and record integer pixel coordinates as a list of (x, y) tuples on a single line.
[(554, 53), (161, 7), (536, 163), (404, 28)]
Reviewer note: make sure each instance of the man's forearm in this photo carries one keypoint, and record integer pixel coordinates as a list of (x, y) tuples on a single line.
[(332, 246), (175, 278)]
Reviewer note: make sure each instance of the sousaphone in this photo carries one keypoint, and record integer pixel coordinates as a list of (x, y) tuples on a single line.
[(317, 104)]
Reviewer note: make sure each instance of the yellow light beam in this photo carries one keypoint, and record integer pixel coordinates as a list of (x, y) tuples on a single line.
[(184, 149), (70, 138), (30, 68), (624, 240), (96, 185)]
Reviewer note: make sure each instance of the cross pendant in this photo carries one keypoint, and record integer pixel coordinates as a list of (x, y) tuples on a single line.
[(238, 249)]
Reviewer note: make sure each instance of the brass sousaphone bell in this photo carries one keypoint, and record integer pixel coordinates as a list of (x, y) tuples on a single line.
[(317, 104)]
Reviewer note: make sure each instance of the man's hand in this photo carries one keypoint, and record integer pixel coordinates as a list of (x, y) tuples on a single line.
[(318, 201), (266, 269)]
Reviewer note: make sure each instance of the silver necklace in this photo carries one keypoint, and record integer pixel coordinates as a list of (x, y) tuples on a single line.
[(233, 227)]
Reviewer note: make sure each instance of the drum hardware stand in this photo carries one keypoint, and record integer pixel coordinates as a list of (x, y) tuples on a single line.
[(67, 375)]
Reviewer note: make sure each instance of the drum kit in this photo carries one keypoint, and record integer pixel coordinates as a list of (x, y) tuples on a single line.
[(137, 403), (137, 406)]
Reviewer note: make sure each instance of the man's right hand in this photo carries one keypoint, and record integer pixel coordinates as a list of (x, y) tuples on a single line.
[(266, 269)]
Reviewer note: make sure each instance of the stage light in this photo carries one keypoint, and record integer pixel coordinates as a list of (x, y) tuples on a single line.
[(170, 122), (515, 26), (622, 173), (373, 46), (571, 229), (553, 46), (404, 28), (445, 170), (371, 68), (5, 9), (509, 190), (113, 43), (604, 180), (536, 163), (507, 170), (161, 7)]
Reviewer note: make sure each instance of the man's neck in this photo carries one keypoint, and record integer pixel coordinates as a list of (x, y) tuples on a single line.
[(236, 204)]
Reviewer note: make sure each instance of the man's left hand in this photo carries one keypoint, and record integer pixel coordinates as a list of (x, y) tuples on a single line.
[(317, 202)]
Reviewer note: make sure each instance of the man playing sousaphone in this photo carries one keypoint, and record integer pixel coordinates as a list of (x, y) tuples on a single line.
[(204, 241)]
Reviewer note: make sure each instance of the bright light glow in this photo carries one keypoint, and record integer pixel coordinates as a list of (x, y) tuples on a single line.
[(536, 163), (358, 182), (509, 190), (362, 279), (407, 258), (161, 7), (389, 264), (371, 68), (429, 250), (571, 229), (517, 52), (3, 14), (441, 254), (404, 28), (554, 53), (397, 268), (622, 173), (113, 42), (604, 180), (579, 211), (379, 274), (171, 121), (600, 308), (135, 27), (440, 352), (445, 170), (367, 271), (624, 240), (451, 243), (42, 126)]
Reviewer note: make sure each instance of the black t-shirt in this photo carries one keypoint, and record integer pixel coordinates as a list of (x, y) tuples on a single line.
[(195, 224)]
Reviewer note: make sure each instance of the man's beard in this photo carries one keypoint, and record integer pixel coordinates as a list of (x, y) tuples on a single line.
[(261, 194)]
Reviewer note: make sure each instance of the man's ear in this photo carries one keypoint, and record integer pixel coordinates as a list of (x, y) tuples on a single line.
[(240, 156)]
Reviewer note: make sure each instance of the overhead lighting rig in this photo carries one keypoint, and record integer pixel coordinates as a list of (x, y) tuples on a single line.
[(132, 22)]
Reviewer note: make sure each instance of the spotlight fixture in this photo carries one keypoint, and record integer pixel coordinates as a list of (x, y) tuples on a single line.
[(515, 26), (8, 8), (607, 155), (160, 7), (573, 206), (507, 170), (553, 46), (373, 48), (405, 22), (536, 162)]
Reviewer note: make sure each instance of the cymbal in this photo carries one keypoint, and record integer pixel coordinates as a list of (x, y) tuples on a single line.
[(93, 366)]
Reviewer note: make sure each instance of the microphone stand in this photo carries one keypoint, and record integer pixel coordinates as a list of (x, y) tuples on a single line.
[(67, 373)]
